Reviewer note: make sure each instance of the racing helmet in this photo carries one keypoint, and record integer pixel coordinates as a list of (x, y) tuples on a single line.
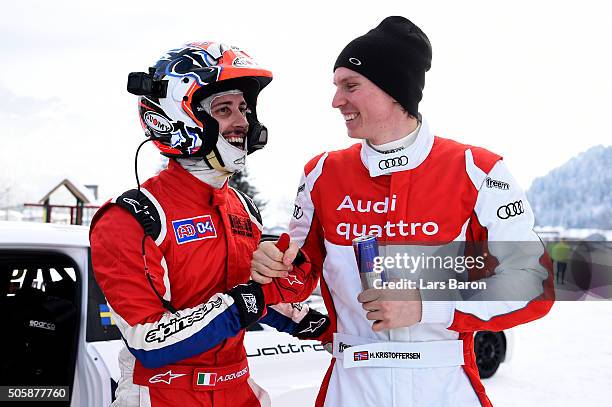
[(170, 96)]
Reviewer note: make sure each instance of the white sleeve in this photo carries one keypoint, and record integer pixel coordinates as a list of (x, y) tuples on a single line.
[(519, 278)]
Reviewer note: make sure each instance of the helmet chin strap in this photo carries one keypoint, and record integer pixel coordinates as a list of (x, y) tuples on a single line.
[(227, 158)]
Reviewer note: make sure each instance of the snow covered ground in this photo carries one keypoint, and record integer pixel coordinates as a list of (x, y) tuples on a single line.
[(564, 359)]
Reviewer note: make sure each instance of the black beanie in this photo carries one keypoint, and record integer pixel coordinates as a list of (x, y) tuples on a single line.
[(395, 56)]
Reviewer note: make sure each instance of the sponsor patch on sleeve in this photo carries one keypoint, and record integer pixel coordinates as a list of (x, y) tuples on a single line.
[(192, 229)]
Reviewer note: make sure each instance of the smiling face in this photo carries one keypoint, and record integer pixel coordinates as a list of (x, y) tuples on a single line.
[(369, 113), (230, 112)]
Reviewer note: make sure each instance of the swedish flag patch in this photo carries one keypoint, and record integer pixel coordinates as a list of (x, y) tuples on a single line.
[(105, 316)]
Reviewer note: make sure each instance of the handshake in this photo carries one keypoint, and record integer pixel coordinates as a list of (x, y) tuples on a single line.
[(280, 275)]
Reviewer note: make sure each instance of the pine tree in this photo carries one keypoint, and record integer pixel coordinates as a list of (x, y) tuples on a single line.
[(240, 181), (576, 194)]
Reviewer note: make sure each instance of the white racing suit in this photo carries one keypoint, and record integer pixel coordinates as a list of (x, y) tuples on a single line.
[(435, 190)]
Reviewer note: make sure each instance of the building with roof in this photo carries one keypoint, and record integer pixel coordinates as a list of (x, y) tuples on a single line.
[(67, 202)]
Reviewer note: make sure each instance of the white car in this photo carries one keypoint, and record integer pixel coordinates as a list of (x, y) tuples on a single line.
[(61, 333)]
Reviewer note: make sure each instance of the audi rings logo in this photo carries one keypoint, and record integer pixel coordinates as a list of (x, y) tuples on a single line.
[(510, 210), (393, 162), (355, 61)]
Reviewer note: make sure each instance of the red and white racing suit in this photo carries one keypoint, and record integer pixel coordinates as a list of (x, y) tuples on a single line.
[(435, 190), (204, 248)]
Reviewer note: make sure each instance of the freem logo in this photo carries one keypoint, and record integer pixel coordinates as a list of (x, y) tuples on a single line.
[(192, 229)]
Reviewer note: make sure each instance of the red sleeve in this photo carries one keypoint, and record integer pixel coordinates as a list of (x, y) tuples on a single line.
[(146, 326)]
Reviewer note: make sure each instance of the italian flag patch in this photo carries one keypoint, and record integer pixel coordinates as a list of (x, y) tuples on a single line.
[(206, 379)]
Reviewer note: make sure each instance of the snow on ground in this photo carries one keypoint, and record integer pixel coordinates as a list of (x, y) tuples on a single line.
[(563, 359)]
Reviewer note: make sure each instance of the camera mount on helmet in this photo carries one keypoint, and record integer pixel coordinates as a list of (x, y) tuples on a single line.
[(144, 84)]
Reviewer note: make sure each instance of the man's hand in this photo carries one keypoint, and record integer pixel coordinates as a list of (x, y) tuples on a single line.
[(269, 262), (391, 308)]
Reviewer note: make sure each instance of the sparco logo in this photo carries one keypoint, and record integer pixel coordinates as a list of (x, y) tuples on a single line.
[(493, 183), (157, 122), (393, 162), (510, 210), (163, 331), (44, 325)]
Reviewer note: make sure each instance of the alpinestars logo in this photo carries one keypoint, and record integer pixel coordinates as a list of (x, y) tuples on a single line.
[(163, 331), (313, 326), (510, 210), (165, 377), (292, 279), (251, 303), (138, 207)]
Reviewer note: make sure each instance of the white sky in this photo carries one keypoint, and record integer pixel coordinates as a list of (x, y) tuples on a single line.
[(528, 80)]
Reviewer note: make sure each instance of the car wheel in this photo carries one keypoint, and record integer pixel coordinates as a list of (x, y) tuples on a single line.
[(490, 350)]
